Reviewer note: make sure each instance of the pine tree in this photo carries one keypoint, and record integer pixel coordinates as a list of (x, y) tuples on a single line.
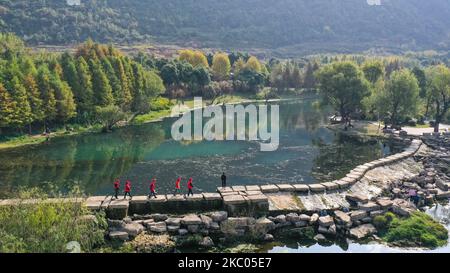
[(34, 98), (22, 114), (113, 80), (65, 104), (47, 93), (7, 108), (125, 97), (102, 89), (221, 66), (85, 96)]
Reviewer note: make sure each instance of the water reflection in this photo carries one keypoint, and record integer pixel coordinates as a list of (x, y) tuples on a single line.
[(308, 152)]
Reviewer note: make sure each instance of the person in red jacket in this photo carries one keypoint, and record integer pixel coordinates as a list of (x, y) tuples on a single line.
[(177, 186), (116, 188), (127, 190), (190, 186), (153, 188)]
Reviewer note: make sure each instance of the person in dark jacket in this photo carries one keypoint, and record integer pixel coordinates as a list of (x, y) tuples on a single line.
[(224, 180), (116, 188)]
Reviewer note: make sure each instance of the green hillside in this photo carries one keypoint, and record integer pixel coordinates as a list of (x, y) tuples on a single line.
[(285, 25)]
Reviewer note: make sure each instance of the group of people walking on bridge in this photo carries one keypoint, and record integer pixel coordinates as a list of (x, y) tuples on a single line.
[(152, 187)]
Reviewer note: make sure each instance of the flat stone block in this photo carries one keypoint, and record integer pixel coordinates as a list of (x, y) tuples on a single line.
[(330, 186), (269, 188), (119, 204), (316, 188), (253, 188), (225, 189), (350, 180), (210, 196), (343, 184), (357, 176), (301, 188), (248, 193), (233, 199), (238, 188), (139, 200), (285, 187), (175, 198), (195, 197), (258, 198), (160, 198), (230, 193)]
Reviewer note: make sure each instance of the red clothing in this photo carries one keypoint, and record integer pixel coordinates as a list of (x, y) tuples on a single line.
[(127, 187), (190, 186), (177, 183), (116, 185), (152, 186)]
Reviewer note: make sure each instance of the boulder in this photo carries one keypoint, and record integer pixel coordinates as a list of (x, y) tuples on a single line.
[(326, 221), (320, 238), (219, 216), (358, 215), (214, 226), (182, 232), (193, 228), (206, 242), (159, 217), (280, 219), (370, 206), (118, 235), (402, 207), (342, 217), (173, 221), (206, 221), (191, 219), (304, 217), (173, 229), (314, 218), (384, 203), (332, 230), (133, 229), (356, 197), (268, 237), (292, 217), (158, 227), (362, 231), (301, 224)]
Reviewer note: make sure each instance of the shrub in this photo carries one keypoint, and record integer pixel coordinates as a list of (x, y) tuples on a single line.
[(417, 230), (48, 227), (159, 104)]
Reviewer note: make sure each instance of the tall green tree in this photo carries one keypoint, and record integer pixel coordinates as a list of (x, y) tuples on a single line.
[(438, 90), (7, 108), (221, 66), (47, 93), (373, 70), (102, 89), (402, 95), (84, 97), (343, 85)]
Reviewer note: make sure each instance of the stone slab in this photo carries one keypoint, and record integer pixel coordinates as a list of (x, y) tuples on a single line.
[(285, 187), (233, 199), (269, 188), (252, 188), (301, 188), (316, 188)]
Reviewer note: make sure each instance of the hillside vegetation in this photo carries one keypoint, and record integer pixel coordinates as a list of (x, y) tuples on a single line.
[(286, 25)]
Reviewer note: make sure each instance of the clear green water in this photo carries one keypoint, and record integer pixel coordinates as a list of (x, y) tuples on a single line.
[(308, 152)]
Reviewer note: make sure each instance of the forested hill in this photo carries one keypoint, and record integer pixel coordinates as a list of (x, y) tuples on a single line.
[(286, 25)]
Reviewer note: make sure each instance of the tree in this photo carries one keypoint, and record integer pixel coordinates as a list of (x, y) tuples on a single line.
[(438, 90), (125, 98), (7, 107), (47, 93), (373, 70), (238, 66), (109, 116), (84, 97), (65, 104), (195, 58), (401, 96), (34, 99), (170, 74), (200, 77), (102, 89), (342, 85), (221, 66), (253, 64)]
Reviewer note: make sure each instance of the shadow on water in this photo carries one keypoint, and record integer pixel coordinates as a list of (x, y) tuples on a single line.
[(308, 152)]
